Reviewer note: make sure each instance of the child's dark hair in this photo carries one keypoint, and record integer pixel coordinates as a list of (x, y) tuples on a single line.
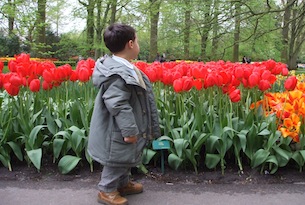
[(117, 35)]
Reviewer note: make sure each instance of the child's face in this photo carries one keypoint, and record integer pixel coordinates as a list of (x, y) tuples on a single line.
[(135, 48)]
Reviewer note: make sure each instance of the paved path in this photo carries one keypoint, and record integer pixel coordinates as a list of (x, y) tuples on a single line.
[(83, 192)]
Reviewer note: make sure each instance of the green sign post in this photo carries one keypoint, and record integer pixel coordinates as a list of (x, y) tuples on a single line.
[(161, 145)]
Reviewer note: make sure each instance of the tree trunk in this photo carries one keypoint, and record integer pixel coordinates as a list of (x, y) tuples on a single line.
[(113, 11), (11, 17), (90, 27), (154, 19), (187, 24), (206, 29), (215, 39), (100, 25), (285, 32), (236, 33), (204, 39), (41, 28)]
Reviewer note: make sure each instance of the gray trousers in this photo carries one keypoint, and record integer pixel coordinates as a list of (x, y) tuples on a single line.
[(113, 178)]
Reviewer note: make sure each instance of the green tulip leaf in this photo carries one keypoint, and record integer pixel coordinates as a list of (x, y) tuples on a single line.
[(174, 161), (148, 154), (165, 138), (211, 160), (16, 149), (298, 158), (259, 157), (33, 136), (35, 156), (67, 163), (180, 145), (283, 153), (273, 164), (57, 146)]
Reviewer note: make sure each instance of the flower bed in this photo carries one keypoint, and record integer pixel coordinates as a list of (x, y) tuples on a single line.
[(210, 112)]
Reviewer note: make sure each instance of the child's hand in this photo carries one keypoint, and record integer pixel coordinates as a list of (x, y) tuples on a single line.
[(131, 139)]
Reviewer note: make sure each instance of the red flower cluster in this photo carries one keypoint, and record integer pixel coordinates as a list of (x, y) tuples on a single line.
[(32, 74), (290, 83), (226, 75), (1, 66)]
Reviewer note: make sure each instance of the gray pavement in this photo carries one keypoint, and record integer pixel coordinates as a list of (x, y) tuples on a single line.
[(83, 192)]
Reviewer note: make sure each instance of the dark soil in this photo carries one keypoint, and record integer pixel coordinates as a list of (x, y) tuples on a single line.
[(50, 172)]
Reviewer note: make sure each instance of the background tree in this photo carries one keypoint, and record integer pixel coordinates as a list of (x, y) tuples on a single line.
[(41, 28), (215, 30), (11, 16), (187, 28), (89, 5), (154, 19), (293, 33), (237, 11)]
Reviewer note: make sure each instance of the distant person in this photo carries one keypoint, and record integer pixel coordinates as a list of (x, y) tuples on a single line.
[(158, 57), (163, 58), (124, 118), (244, 60), (248, 60)]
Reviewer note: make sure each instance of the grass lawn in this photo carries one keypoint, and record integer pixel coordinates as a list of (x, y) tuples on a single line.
[(5, 69), (300, 71)]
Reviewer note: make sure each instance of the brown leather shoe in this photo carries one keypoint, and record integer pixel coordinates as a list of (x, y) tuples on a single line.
[(111, 198), (131, 188)]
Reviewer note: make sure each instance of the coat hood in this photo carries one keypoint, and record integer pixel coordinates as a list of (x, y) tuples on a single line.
[(106, 66)]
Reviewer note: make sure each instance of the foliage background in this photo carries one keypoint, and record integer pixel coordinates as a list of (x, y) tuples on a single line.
[(185, 29)]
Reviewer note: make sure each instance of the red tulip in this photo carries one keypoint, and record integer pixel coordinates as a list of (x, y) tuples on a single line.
[(1, 66), (270, 64), (91, 63), (239, 72), (12, 65), (23, 57), (151, 74), (226, 77), (187, 83), (199, 71), (11, 89), (210, 80), (197, 83), (290, 83), (285, 71), (47, 76), (235, 81), (264, 85), (235, 95), (16, 80), (247, 72), (46, 85), (178, 85), (141, 65), (35, 85), (266, 75), (167, 78), (253, 80), (1, 81), (74, 76), (83, 74)]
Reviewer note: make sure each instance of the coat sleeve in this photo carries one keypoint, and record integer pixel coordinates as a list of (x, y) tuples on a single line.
[(116, 98), (155, 126)]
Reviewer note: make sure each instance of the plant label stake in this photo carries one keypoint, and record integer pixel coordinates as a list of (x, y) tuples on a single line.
[(161, 145)]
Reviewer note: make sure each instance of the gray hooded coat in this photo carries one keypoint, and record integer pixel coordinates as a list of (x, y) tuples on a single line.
[(122, 108)]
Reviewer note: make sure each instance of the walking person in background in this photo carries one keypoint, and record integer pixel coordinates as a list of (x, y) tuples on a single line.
[(158, 57), (244, 60), (163, 58), (124, 117)]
